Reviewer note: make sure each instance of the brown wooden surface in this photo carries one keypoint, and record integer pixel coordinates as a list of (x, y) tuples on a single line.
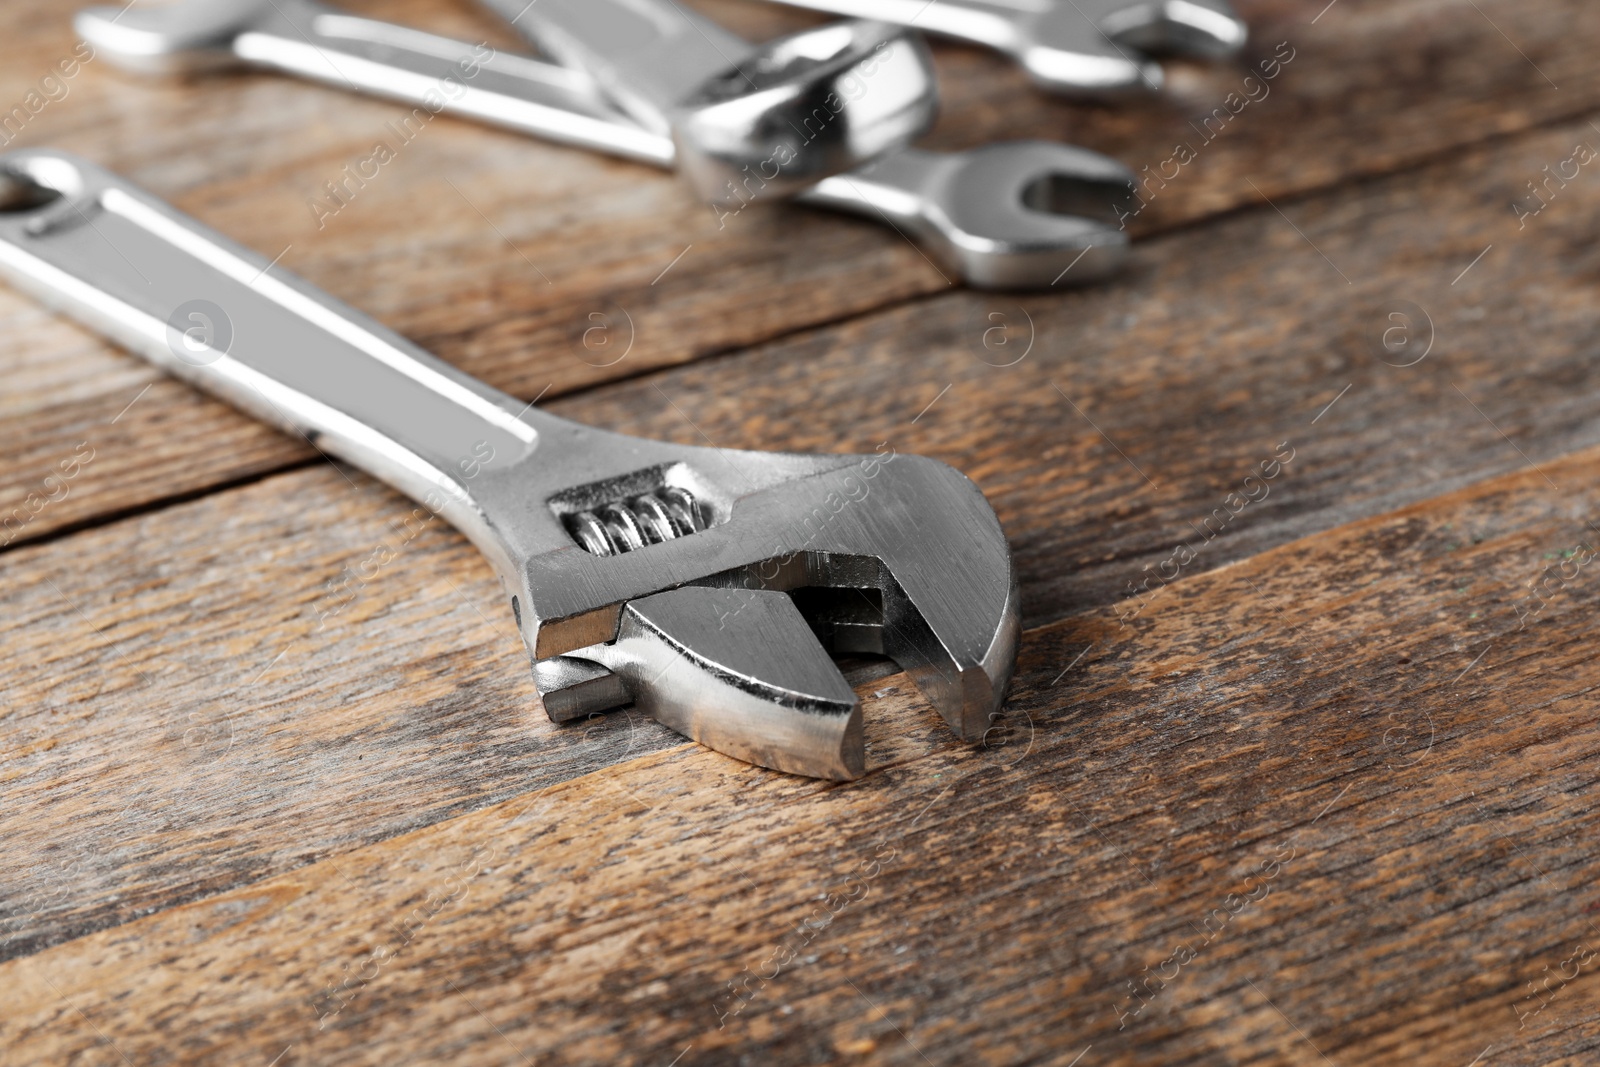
[(216, 810)]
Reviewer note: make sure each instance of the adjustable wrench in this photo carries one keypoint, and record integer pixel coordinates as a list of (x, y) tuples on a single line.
[(635, 570), (1085, 48), (801, 107), (1010, 215)]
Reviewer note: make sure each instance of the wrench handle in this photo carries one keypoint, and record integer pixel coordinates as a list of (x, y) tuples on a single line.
[(893, 187), (225, 319), (432, 73), (646, 55)]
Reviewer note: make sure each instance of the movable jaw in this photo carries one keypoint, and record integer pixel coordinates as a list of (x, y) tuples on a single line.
[(1095, 48), (720, 631), (194, 35), (804, 107)]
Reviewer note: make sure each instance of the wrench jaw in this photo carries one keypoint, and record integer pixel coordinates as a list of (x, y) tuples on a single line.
[(1095, 48), (739, 671), (1090, 72), (1030, 215), (1204, 29), (182, 38), (701, 633), (804, 107)]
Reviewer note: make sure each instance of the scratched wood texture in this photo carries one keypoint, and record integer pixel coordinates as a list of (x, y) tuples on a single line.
[(237, 828)]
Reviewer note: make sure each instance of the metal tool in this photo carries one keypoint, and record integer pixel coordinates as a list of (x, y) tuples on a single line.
[(635, 570), (1084, 48), (794, 110), (1011, 215), (831, 98)]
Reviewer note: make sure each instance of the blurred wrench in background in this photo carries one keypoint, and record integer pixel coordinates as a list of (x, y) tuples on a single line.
[(802, 107), (1082, 48), (830, 98), (1011, 215)]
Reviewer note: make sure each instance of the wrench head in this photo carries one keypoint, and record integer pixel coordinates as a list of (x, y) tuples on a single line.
[(804, 107), (720, 631), (193, 35), (1096, 48), (1205, 29), (1029, 214)]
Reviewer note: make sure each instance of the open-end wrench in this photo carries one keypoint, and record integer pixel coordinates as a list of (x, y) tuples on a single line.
[(1009, 215), (795, 110), (1086, 48), (635, 570)]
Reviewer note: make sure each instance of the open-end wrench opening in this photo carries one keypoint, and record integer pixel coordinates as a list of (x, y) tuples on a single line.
[(847, 620), (1100, 200), (37, 185), (19, 193)]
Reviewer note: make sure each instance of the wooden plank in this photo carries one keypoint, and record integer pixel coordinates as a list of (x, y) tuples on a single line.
[(175, 628), (1138, 410), (1334, 796), (510, 247)]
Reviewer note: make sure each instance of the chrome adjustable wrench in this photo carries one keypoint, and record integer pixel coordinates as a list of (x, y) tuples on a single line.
[(1022, 214), (635, 570), (792, 111), (1085, 48)]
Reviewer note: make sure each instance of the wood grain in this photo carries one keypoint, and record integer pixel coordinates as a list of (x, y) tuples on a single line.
[(510, 247), (155, 639), (254, 809), (1359, 730), (136, 637)]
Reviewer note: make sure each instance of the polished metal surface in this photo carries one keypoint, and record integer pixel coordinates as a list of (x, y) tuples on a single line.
[(741, 671), (906, 545), (318, 42), (791, 111), (1086, 48), (794, 111), (998, 215), (1014, 215)]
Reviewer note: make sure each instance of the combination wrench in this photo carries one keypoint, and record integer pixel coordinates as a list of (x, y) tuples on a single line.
[(1082, 48), (802, 107), (1013, 215), (698, 583)]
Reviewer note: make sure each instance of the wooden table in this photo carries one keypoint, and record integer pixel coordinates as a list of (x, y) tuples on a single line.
[(1296, 769)]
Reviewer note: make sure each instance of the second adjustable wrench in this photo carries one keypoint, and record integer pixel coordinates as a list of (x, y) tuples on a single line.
[(1010, 215), (634, 570)]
